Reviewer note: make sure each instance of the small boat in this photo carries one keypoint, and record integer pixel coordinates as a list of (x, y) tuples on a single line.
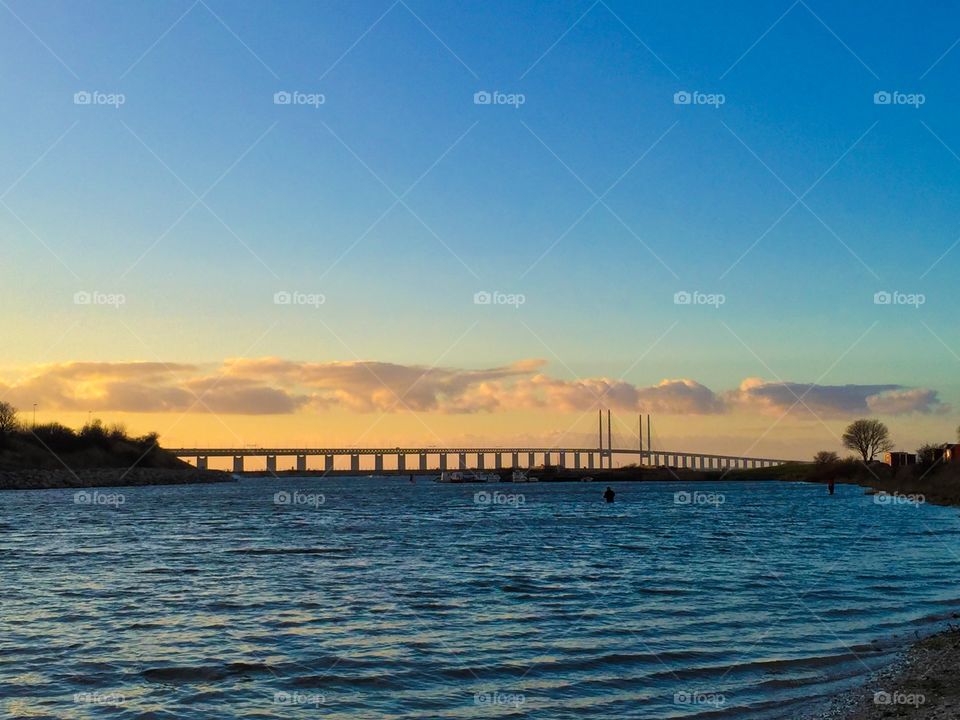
[(467, 476)]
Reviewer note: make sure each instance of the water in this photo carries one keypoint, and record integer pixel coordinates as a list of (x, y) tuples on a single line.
[(383, 599)]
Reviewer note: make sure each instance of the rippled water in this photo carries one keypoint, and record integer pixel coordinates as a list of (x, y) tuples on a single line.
[(375, 598)]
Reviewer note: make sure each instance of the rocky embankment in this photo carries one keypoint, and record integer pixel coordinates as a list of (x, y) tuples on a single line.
[(923, 685), (106, 477)]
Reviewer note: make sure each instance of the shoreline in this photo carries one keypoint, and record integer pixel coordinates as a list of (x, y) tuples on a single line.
[(41, 479), (923, 683)]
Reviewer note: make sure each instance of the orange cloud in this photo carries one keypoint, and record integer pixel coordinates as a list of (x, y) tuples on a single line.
[(274, 386)]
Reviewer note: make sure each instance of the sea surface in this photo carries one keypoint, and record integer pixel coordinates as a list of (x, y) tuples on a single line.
[(382, 598)]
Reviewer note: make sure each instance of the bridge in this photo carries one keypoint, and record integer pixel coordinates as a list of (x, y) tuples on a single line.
[(517, 457)]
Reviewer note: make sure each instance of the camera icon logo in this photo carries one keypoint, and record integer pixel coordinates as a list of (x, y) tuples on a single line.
[(482, 97), (282, 98), (882, 97), (481, 498), (82, 98), (682, 97), (82, 498), (281, 498), (82, 297), (482, 298), (282, 297), (682, 298), (882, 298), (682, 498)]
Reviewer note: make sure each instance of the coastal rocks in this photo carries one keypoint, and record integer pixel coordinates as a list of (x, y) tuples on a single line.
[(105, 477)]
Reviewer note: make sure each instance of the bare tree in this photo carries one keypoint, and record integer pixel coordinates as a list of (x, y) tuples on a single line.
[(8, 418), (929, 454), (826, 457), (867, 437)]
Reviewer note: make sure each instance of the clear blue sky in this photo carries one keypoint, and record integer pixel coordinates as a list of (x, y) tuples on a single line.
[(399, 80)]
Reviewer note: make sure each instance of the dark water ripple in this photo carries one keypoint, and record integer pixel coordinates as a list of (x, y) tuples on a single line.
[(391, 600)]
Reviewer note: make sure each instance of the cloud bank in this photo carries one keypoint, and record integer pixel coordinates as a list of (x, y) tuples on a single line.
[(274, 386)]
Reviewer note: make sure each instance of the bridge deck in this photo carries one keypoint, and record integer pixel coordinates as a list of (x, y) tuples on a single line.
[(260, 452)]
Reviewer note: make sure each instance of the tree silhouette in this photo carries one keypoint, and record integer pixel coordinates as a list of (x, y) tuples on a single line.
[(8, 418), (867, 437)]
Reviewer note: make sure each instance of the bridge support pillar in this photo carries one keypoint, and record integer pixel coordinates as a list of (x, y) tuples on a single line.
[(443, 462), (563, 459), (378, 463), (590, 461), (546, 459), (238, 463), (480, 458), (498, 461), (576, 461), (328, 463), (423, 462), (531, 460), (201, 463), (355, 463), (271, 463), (301, 463), (515, 460), (401, 462), (462, 457)]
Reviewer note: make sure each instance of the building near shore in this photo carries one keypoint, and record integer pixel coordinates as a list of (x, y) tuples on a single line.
[(899, 459), (951, 453)]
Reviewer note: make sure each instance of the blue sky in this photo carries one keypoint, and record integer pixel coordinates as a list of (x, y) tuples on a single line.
[(295, 189)]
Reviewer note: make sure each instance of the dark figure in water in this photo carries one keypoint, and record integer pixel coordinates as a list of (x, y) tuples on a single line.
[(830, 486), (609, 494)]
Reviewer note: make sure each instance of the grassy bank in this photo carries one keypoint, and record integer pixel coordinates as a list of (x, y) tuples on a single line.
[(55, 447)]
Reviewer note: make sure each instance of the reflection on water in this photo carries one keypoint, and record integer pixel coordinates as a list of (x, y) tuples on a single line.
[(376, 598)]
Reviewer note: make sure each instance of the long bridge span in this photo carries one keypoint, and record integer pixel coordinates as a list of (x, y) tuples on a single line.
[(502, 457)]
